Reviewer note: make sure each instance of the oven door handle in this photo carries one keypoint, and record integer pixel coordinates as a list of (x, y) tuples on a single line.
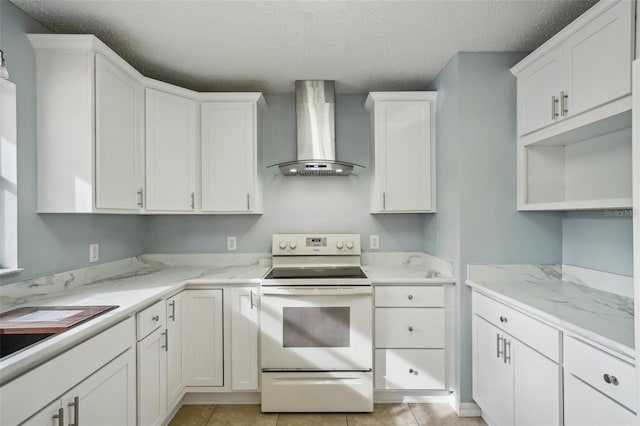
[(332, 291)]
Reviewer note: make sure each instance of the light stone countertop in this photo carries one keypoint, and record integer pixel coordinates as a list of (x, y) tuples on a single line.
[(407, 268), (545, 292)]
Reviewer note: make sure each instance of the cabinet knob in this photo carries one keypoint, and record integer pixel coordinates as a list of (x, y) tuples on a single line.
[(503, 319), (155, 318), (412, 371), (411, 297), (410, 328), (612, 380)]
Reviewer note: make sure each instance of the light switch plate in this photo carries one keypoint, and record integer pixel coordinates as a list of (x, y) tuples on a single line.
[(374, 242), (94, 252), (231, 244)]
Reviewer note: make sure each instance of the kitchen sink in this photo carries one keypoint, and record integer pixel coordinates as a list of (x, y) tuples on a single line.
[(23, 327)]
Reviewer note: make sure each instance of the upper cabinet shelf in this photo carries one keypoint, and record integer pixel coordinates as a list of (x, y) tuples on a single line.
[(574, 114), (113, 141)]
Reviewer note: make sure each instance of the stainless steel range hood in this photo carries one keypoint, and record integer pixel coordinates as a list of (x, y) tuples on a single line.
[(316, 133)]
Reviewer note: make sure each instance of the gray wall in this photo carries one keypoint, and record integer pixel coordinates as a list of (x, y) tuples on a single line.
[(296, 204), (601, 240), (51, 243), (477, 186)]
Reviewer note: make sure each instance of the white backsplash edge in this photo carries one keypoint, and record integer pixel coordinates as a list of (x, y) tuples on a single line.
[(207, 259), (441, 266), (622, 285)]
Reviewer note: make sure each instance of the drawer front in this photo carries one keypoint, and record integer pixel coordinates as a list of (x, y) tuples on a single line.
[(583, 405), (543, 338), (590, 364), (409, 296), (409, 328), (150, 319), (409, 369)]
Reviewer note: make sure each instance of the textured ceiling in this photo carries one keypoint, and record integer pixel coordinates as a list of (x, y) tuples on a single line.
[(266, 45)]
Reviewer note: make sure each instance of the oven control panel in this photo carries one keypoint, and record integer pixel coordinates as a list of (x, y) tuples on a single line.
[(315, 244)]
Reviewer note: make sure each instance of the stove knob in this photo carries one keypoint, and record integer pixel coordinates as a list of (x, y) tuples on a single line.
[(339, 244), (283, 244), (292, 244), (349, 244)]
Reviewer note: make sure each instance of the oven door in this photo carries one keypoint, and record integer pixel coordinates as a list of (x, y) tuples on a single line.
[(323, 328)]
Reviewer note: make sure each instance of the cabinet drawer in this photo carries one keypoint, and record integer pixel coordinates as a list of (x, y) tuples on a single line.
[(583, 405), (591, 364), (541, 337), (150, 319), (409, 328), (409, 369), (408, 296)]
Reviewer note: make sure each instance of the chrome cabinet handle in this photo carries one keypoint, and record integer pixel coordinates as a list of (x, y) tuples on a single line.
[(155, 318), (193, 200), (410, 328), (141, 197), (499, 340), (411, 297), (554, 104), (76, 411), (166, 340), (506, 351), (503, 319), (172, 317), (248, 201), (564, 103), (612, 380), (59, 416), (384, 201), (252, 303)]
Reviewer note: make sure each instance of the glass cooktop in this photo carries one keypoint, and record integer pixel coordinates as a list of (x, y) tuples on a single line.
[(317, 272)]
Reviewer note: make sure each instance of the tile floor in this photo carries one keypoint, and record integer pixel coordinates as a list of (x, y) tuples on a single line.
[(383, 414)]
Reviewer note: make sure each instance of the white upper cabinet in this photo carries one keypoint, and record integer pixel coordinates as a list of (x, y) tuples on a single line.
[(231, 182), (171, 152), (580, 76), (89, 128), (403, 163)]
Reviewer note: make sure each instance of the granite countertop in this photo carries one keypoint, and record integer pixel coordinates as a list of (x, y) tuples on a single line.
[(132, 292), (570, 304), (407, 269)]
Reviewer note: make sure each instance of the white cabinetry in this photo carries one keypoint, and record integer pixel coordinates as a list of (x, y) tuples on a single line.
[(94, 382), (202, 339), (513, 383), (171, 152), (89, 128), (244, 338), (403, 163), (231, 181), (574, 114), (175, 366), (409, 338)]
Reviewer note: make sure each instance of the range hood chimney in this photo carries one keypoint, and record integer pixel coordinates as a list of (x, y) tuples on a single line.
[(315, 133)]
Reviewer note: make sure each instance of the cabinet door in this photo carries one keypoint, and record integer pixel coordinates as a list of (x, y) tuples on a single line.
[(175, 374), (51, 415), (409, 369), (107, 397), (229, 156), (538, 84), (585, 406), (171, 150), (202, 350), (492, 376), (536, 386), (152, 378), (118, 124), (404, 155), (244, 338), (599, 59)]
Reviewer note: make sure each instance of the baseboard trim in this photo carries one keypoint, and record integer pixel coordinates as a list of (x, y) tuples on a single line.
[(222, 398), (464, 409), (410, 397)]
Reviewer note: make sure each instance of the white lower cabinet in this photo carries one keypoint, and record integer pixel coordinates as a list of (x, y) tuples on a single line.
[(244, 338), (409, 369), (202, 339), (152, 378), (513, 383), (91, 384), (175, 366)]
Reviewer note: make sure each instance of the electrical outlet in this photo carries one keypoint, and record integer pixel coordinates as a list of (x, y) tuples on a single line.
[(94, 252), (231, 244), (374, 242)]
